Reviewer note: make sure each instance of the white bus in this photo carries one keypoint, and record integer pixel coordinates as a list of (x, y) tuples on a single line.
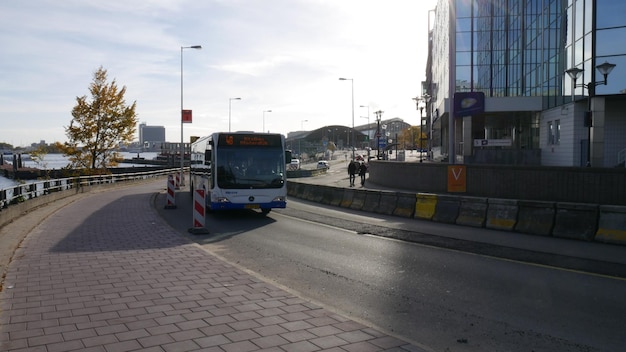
[(240, 170)]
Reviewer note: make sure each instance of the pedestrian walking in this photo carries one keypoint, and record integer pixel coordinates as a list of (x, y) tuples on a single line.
[(362, 171), (352, 169)]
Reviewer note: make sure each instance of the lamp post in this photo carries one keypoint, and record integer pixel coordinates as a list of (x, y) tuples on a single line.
[(378, 114), (424, 99), (352, 83), (368, 123), (229, 109), (421, 131), (264, 111), (182, 141), (574, 74)]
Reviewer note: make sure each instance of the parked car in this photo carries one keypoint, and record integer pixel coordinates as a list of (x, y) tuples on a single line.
[(323, 164)]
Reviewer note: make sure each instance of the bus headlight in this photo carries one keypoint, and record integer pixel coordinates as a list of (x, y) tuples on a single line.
[(222, 200), (279, 199)]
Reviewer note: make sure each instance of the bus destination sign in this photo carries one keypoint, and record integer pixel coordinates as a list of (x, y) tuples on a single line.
[(250, 140)]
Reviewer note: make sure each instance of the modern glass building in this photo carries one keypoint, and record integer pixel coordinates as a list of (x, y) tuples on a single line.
[(516, 53)]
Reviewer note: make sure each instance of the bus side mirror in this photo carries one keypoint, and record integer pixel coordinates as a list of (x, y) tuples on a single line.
[(287, 156)]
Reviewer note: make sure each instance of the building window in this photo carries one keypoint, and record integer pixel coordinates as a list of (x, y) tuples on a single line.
[(550, 133), (557, 132)]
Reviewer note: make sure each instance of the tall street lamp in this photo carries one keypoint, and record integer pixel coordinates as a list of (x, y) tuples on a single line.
[(182, 141), (352, 83), (264, 111), (368, 123), (574, 74), (421, 131), (229, 109), (379, 115)]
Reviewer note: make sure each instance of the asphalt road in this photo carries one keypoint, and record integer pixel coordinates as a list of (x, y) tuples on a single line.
[(442, 299)]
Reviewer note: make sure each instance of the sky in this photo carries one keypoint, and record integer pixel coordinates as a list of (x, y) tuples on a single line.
[(281, 55)]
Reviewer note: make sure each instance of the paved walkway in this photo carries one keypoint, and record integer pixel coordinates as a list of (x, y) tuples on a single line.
[(106, 273)]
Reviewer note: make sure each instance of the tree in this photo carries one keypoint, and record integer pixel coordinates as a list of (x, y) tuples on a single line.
[(410, 137), (99, 126)]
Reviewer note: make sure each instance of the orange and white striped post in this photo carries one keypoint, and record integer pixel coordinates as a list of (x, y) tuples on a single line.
[(171, 195), (177, 180), (199, 212)]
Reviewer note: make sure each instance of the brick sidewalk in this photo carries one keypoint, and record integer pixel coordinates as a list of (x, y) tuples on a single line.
[(106, 273)]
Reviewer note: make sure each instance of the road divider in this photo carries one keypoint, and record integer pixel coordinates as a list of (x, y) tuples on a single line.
[(425, 205), (588, 222), (472, 212), (535, 217), (612, 224), (447, 208), (501, 214), (388, 202), (576, 220)]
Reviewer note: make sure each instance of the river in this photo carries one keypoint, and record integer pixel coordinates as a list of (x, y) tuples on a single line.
[(57, 161)]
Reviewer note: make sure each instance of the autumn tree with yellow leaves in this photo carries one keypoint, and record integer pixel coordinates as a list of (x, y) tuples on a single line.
[(414, 138), (99, 125)]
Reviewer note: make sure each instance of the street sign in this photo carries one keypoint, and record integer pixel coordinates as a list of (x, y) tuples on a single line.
[(186, 116)]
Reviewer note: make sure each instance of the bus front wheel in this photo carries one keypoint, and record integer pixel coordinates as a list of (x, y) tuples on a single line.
[(265, 211)]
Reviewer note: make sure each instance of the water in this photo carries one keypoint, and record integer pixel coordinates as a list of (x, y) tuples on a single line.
[(58, 161)]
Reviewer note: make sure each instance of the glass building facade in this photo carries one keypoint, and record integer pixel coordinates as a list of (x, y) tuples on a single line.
[(516, 52)]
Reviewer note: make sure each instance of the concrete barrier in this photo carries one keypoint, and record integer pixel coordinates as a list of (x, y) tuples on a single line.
[(291, 189), (425, 205), (564, 220), (536, 218), (405, 205), (612, 224), (337, 196), (372, 201), (447, 208), (387, 203), (501, 214), (576, 220), (358, 200), (316, 193), (346, 199), (308, 192), (473, 212), (328, 193)]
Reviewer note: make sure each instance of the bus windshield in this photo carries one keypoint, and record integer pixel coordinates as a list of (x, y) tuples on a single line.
[(250, 168)]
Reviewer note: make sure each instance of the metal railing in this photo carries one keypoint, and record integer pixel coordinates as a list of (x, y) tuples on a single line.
[(24, 192)]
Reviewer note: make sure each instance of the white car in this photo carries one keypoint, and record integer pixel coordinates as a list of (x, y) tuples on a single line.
[(323, 164)]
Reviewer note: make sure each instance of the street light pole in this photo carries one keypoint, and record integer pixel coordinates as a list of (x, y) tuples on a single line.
[(368, 123), (421, 131), (378, 114), (229, 109), (264, 111), (182, 141), (574, 74), (352, 82)]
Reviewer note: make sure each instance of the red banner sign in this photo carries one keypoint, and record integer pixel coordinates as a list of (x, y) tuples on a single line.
[(186, 116)]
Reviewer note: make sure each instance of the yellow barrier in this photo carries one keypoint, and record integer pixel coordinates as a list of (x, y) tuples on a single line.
[(425, 206)]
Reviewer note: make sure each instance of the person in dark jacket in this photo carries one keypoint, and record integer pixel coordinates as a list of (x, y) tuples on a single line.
[(352, 169), (362, 171)]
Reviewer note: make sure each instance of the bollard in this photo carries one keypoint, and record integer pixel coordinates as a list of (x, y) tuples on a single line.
[(199, 204), (171, 197), (177, 186)]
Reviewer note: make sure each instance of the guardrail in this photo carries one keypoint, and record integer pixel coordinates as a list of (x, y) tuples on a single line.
[(21, 193)]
